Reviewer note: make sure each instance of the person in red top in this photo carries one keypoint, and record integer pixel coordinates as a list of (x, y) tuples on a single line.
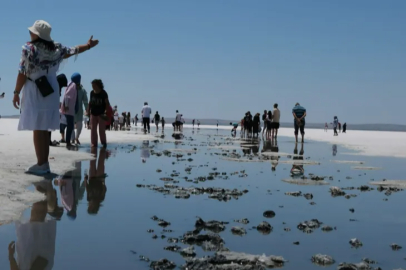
[(109, 120)]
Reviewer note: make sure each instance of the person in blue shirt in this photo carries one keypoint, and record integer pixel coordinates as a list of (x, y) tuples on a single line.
[(299, 114), (234, 130)]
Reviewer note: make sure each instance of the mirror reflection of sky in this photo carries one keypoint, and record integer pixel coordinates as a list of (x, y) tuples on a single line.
[(95, 217)]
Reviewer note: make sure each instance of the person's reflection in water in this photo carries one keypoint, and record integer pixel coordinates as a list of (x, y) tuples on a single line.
[(255, 147), (36, 238), (145, 151), (274, 149), (71, 190), (334, 149), (297, 169), (95, 181)]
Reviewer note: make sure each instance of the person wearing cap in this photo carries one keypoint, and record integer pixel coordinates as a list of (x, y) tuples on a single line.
[(299, 114), (146, 113), (41, 58)]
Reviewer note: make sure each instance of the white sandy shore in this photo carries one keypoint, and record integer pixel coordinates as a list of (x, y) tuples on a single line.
[(367, 143), (17, 153)]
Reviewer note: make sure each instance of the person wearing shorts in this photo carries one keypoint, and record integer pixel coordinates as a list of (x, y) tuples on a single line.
[(299, 114), (275, 120)]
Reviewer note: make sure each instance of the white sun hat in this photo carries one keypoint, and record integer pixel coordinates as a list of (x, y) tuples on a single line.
[(42, 29)]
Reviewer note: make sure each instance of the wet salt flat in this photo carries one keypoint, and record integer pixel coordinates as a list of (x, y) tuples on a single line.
[(107, 221)]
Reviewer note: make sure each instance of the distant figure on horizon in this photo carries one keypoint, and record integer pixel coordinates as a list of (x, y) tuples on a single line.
[(198, 123), (217, 124), (299, 114), (264, 119), (275, 121), (248, 124), (163, 124), (157, 118), (234, 130), (136, 119), (268, 125), (178, 121), (345, 128), (256, 125), (339, 127), (193, 123), (325, 127), (128, 120), (335, 125), (146, 112)]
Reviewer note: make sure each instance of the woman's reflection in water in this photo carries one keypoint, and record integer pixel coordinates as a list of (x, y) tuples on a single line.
[(95, 181), (70, 189), (36, 238)]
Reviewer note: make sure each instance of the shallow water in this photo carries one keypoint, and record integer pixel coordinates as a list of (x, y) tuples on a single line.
[(110, 231)]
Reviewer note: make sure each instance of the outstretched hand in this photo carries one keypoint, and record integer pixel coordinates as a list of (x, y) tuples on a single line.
[(93, 42)]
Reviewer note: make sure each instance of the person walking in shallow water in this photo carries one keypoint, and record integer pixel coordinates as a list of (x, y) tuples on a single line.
[(40, 59), (345, 128), (299, 114)]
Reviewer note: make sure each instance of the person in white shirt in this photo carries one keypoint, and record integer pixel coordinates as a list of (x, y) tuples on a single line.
[(115, 120), (275, 120), (146, 113), (121, 121)]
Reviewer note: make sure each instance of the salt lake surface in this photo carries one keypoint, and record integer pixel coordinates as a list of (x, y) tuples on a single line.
[(105, 222)]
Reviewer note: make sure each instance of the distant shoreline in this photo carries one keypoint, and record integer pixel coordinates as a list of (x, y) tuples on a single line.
[(369, 127)]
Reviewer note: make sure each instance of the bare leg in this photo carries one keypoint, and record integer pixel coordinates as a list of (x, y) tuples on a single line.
[(41, 145)]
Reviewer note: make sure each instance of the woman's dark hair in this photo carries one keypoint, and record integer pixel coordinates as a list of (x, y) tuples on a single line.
[(99, 83), (269, 114), (49, 45)]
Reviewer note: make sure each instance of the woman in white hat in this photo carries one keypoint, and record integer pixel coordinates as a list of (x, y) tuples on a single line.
[(39, 64)]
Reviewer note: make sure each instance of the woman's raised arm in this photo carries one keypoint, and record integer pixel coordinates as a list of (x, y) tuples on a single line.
[(82, 48)]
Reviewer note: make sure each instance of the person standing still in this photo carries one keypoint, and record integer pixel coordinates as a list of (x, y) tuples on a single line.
[(69, 106), (157, 119), (146, 112), (97, 109), (40, 108), (335, 125), (299, 114), (264, 117), (275, 120)]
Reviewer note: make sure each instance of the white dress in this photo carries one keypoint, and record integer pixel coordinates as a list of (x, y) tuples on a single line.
[(35, 239), (38, 112)]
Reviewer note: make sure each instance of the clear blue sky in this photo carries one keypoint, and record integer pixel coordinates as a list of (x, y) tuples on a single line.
[(220, 58)]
